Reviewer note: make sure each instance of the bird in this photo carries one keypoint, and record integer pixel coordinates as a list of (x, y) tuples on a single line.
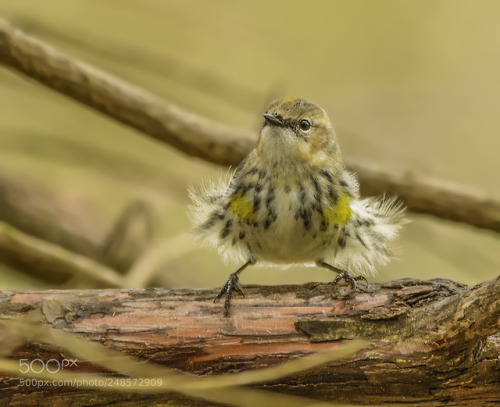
[(292, 201)]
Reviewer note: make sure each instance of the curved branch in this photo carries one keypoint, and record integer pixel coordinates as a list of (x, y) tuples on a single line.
[(17, 248), (42, 213), (214, 142)]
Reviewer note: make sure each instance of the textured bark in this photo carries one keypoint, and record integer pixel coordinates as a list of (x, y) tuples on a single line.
[(431, 342), (211, 141)]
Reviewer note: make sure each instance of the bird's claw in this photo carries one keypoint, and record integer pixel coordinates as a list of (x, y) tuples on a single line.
[(345, 275), (232, 284)]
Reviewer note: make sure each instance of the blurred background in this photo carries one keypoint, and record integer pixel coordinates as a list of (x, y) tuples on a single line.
[(412, 87)]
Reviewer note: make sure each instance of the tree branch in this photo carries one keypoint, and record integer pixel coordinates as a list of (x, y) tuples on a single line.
[(45, 215), (430, 341), (439, 198), (42, 213), (121, 101), (214, 142), (18, 248)]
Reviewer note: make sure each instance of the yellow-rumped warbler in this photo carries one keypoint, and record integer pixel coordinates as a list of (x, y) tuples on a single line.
[(292, 201)]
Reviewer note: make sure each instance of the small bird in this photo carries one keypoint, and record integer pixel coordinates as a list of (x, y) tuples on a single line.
[(291, 201)]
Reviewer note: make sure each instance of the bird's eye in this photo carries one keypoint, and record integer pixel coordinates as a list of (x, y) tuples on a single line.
[(305, 125)]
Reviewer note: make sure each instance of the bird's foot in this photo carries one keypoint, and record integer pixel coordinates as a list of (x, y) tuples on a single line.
[(232, 284), (348, 278)]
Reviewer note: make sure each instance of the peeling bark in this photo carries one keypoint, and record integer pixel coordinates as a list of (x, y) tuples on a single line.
[(432, 342)]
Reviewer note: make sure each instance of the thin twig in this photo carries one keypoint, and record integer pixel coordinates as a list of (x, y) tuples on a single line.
[(214, 142)]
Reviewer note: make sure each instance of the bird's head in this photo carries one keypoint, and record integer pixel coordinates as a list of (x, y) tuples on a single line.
[(298, 132)]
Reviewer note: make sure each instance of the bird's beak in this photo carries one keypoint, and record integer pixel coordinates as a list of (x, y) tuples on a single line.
[(273, 119)]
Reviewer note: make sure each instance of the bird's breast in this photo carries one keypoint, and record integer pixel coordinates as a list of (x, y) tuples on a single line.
[(286, 226)]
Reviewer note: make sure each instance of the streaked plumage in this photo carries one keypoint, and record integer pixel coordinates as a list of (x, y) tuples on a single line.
[(292, 201)]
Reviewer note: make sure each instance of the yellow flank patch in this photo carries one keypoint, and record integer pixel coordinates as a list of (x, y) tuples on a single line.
[(242, 206), (287, 100), (340, 213)]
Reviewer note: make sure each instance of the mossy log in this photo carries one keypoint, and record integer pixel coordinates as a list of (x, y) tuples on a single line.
[(431, 342)]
